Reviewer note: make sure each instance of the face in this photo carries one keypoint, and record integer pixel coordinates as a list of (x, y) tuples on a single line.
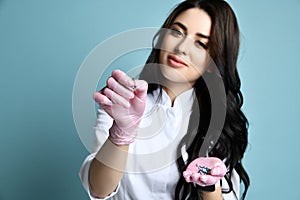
[(183, 56)]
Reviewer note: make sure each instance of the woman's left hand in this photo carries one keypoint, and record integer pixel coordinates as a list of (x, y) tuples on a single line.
[(205, 171)]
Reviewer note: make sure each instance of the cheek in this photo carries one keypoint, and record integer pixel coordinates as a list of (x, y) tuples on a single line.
[(169, 44), (162, 56), (200, 62)]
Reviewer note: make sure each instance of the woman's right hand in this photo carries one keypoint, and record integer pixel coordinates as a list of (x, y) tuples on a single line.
[(124, 100)]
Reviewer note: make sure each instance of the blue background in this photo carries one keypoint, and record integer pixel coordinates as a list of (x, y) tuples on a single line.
[(42, 45)]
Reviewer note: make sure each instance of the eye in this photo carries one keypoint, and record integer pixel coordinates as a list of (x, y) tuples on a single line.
[(176, 33), (201, 45)]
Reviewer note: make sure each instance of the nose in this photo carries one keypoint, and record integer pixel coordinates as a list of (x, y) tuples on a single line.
[(183, 47)]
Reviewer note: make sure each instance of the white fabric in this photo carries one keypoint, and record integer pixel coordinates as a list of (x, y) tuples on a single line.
[(151, 167)]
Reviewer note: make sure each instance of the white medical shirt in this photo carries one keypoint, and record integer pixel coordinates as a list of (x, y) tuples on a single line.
[(151, 171)]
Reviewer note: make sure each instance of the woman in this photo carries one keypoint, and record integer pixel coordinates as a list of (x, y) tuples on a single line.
[(199, 39)]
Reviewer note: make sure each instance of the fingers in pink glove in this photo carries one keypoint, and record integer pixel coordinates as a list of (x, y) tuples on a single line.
[(139, 86), (140, 90), (119, 89), (101, 99), (116, 98), (216, 166), (194, 176), (208, 179), (200, 179), (187, 176), (123, 79), (218, 171)]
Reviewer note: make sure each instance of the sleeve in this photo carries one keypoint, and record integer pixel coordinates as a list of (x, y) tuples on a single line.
[(103, 123), (235, 194)]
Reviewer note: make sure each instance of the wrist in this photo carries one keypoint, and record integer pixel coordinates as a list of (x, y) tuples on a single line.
[(218, 184), (121, 137), (214, 195), (208, 188)]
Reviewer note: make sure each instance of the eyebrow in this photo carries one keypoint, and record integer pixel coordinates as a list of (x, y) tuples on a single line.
[(185, 29)]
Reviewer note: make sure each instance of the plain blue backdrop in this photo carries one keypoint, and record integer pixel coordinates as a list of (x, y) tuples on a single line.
[(42, 45)]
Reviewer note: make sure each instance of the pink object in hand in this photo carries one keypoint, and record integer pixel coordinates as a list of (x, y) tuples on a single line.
[(214, 166), (124, 100)]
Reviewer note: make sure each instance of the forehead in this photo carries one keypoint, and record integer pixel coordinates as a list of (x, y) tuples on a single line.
[(195, 20)]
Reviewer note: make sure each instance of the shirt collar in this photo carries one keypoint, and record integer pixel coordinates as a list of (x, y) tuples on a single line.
[(185, 99)]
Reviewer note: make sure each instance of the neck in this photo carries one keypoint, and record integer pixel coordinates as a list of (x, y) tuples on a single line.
[(175, 89)]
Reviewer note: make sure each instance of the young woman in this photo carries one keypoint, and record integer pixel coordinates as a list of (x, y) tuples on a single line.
[(164, 141)]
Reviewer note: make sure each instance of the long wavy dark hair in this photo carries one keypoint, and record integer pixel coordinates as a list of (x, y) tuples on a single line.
[(223, 48)]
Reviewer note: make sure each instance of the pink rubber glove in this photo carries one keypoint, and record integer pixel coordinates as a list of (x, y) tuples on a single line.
[(124, 100), (216, 172)]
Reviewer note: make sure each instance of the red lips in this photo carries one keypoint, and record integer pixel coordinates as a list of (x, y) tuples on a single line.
[(175, 61)]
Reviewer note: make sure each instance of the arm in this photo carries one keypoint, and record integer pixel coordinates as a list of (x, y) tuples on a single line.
[(124, 100), (104, 179), (216, 195)]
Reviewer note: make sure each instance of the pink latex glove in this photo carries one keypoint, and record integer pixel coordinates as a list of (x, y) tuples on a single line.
[(124, 100), (216, 172)]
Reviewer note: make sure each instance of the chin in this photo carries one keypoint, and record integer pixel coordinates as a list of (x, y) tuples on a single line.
[(173, 74)]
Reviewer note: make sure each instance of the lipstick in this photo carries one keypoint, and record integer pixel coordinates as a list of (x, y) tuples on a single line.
[(175, 61)]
